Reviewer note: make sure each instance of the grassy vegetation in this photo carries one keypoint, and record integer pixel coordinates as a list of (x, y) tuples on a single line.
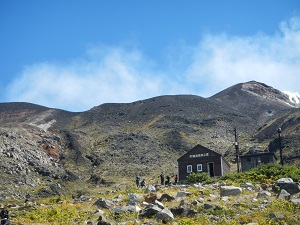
[(53, 214), (56, 211), (236, 210), (266, 173)]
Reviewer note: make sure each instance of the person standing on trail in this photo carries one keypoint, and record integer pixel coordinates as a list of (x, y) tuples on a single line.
[(162, 179), (176, 179), (137, 181), (143, 183), (4, 216), (167, 181)]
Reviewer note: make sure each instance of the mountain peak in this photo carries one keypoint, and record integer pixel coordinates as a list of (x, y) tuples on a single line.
[(265, 91), (254, 98), (272, 94)]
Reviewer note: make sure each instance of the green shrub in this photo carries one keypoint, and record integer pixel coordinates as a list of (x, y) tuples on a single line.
[(198, 177), (265, 173)]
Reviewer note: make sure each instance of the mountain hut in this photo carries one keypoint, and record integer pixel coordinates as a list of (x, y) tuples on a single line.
[(201, 159), (254, 158)]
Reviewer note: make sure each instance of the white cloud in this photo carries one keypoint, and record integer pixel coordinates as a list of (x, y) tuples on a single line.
[(108, 74), (117, 76), (221, 60)]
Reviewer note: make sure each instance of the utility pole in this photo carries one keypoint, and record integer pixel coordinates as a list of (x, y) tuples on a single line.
[(280, 146), (237, 152)]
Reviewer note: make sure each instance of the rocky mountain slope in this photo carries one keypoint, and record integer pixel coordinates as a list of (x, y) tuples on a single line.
[(118, 141), (257, 100)]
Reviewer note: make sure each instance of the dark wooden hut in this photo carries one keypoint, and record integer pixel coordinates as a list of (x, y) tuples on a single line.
[(201, 159)]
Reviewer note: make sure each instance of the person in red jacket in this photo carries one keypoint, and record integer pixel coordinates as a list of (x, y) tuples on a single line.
[(176, 179)]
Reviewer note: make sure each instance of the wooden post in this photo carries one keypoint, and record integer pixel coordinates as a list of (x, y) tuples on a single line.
[(237, 152)]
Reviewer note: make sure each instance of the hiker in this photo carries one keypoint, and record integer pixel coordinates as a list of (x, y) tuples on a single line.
[(176, 179), (137, 181), (167, 180), (162, 178), (27, 197), (4, 216), (143, 183)]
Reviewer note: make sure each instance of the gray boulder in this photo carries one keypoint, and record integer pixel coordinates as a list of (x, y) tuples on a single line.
[(190, 212), (134, 199), (150, 188), (182, 194), (208, 206), (168, 197), (248, 186), (165, 215), (134, 196), (130, 209), (183, 203), (284, 195), (183, 210), (290, 187), (230, 191), (104, 203), (159, 204), (284, 180), (177, 210), (263, 194), (296, 201), (150, 211)]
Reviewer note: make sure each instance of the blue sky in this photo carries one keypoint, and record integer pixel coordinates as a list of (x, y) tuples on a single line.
[(76, 54)]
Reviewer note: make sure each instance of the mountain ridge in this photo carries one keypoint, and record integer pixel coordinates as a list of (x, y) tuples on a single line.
[(120, 140)]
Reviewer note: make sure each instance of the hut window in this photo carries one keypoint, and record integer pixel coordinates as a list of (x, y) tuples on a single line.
[(189, 168), (258, 160), (199, 167)]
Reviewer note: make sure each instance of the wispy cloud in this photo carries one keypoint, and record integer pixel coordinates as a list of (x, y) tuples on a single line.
[(116, 74), (222, 60)]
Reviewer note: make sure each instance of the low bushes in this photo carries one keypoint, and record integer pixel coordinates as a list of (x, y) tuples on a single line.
[(265, 173), (199, 177)]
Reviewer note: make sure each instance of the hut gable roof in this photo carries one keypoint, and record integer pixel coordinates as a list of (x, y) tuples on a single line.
[(199, 151)]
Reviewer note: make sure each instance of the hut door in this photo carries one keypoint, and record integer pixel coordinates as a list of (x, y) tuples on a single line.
[(211, 169)]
